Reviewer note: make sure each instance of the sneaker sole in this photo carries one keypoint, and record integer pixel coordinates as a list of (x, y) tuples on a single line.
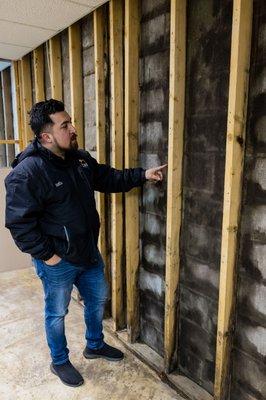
[(93, 356), (68, 384)]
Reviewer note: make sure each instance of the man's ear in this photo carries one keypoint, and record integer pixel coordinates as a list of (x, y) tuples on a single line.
[(46, 137)]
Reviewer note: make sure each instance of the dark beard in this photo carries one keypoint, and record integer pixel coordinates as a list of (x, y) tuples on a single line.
[(74, 145)]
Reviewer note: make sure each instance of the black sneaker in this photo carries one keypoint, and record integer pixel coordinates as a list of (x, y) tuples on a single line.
[(108, 352), (68, 374)]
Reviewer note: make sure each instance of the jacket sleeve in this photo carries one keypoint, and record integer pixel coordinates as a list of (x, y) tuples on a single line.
[(111, 180), (23, 210)]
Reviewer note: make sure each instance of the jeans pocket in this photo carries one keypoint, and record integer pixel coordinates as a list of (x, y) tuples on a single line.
[(54, 265), (38, 264)]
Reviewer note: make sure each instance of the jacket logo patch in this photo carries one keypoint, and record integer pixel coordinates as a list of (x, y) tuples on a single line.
[(59, 183), (83, 163)]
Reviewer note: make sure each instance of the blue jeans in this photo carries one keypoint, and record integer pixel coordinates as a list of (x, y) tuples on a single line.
[(58, 282)]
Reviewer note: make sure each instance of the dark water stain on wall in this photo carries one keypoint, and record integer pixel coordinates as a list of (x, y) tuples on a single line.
[(66, 70), (207, 80), (154, 99)]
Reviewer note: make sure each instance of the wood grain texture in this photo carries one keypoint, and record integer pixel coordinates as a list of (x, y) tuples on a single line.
[(175, 161), (235, 144)]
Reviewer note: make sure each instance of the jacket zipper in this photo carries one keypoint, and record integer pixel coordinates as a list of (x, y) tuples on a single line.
[(67, 238)]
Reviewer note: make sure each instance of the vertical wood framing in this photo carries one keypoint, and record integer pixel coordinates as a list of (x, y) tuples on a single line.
[(174, 191), (98, 24), (76, 82), (18, 102), (236, 123), (38, 69), (131, 160), (3, 161), (56, 68), (116, 64), (26, 97), (22, 133), (8, 113)]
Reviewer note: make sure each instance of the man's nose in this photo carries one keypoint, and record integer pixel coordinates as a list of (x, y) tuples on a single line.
[(72, 129)]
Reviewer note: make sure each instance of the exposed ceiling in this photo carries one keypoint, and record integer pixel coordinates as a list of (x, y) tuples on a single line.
[(24, 25)]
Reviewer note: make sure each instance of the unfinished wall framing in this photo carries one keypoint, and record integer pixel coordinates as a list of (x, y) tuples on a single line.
[(248, 356), (98, 26), (8, 114), (55, 67), (149, 83), (38, 69), (76, 85), (117, 144), (175, 164), (236, 129), (132, 24)]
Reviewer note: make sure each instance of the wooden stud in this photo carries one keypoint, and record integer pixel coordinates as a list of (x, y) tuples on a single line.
[(3, 161), (56, 68), (116, 64), (235, 144), (98, 24), (174, 190), (22, 133), (18, 102), (38, 68), (131, 160), (8, 113), (26, 97), (76, 80)]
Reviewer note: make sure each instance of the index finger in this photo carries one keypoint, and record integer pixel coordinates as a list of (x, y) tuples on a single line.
[(161, 167)]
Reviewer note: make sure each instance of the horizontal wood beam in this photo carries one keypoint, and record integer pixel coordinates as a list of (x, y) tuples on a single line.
[(9, 141)]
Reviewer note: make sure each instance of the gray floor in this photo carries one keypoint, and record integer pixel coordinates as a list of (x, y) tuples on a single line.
[(24, 356)]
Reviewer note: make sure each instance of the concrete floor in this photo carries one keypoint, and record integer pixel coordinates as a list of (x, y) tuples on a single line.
[(24, 356)]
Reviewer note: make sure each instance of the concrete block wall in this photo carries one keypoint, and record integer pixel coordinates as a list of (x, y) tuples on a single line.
[(207, 80), (47, 78), (66, 70), (249, 356), (208, 58), (154, 94), (89, 84)]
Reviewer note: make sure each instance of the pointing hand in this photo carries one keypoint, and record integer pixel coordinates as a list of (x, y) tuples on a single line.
[(155, 174)]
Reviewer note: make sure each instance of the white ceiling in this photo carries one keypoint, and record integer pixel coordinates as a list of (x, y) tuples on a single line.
[(24, 25)]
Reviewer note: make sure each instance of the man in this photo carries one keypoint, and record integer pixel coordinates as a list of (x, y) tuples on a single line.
[(51, 214)]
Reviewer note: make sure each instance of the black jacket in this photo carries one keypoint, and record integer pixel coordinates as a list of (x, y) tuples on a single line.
[(50, 204)]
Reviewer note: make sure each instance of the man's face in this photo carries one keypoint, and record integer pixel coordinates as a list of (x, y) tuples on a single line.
[(62, 134)]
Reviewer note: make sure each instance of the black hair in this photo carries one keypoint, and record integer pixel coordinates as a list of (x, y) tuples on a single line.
[(40, 115)]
